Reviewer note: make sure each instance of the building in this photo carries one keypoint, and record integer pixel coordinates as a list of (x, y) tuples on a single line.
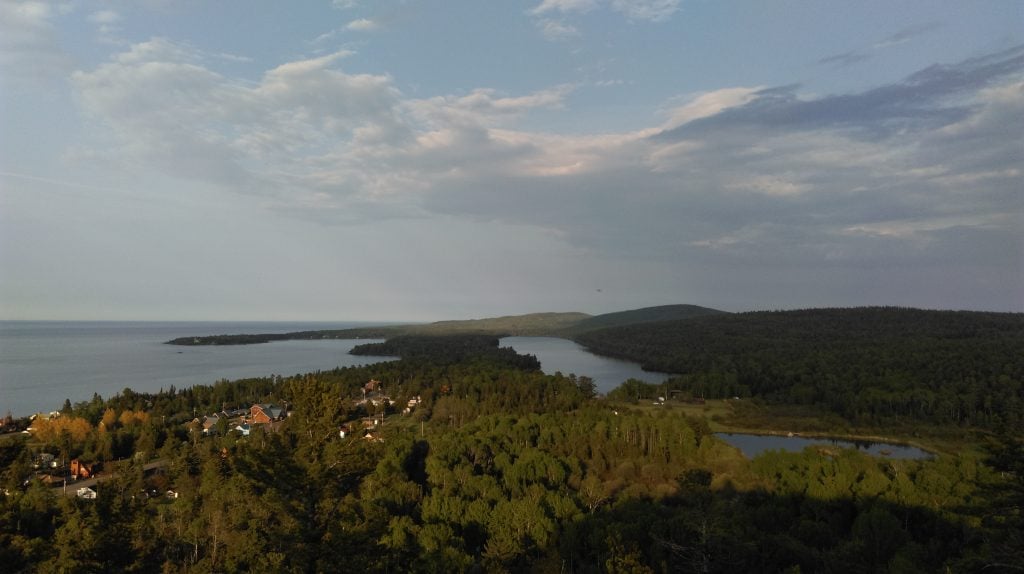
[(266, 413), (80, 469)]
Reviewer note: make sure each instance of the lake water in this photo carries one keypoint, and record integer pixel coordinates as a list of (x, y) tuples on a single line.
[(568, 357), (44, 362), (752, 445)]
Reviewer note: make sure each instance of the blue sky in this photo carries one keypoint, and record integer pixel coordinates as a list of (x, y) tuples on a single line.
[(403, 160)]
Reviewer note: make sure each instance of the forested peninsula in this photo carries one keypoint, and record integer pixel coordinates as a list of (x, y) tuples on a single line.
[(461, 456)]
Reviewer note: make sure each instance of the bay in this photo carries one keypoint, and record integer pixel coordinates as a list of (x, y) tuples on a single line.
[(565, 356), (44, 362)]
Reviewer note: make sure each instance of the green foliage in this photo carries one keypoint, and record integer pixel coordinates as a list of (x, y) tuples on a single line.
[(506, 469), (873, 365), (448, 349)]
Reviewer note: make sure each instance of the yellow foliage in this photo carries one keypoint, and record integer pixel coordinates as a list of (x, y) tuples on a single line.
[(109, 419), (50, 430)]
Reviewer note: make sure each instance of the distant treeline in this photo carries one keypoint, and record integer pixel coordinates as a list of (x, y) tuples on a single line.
[(256, 338), (450, 349), (865, 364)]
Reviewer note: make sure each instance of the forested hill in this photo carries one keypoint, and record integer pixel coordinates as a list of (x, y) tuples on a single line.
[(864, 364), (639, 316), (530, 325)]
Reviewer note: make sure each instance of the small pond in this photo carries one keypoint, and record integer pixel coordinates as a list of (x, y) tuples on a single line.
[(752, 445)]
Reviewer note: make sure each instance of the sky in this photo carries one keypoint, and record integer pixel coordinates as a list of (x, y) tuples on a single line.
[(403, 160)]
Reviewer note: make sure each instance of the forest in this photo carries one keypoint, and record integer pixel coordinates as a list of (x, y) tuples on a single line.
[(868, 365), (498, 467)]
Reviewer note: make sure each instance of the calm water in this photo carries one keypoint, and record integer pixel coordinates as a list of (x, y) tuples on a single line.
[(568, 357), (752, 445), (42, 363)]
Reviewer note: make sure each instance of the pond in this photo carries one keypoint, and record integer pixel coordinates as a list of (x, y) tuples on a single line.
[(751, 445), (565, 356)]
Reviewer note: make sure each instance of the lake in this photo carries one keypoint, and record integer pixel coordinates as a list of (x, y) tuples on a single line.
[(568, 357), (44, 362), (752, 445)]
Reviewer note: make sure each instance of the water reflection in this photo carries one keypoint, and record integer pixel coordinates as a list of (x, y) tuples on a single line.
[(752, 445), (569, 357)]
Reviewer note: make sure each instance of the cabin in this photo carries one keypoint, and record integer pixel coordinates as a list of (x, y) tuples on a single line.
[(86, 493), (266, 413), (210, 424), (80, 469)]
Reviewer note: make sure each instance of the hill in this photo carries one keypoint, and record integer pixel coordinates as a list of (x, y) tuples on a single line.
[(530, 325), (639, 316)]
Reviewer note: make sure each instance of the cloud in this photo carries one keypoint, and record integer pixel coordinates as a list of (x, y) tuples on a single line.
[(634, 10), (361, 25), (856, 57), (845, 59), (564, 6), (651, 10), (905, 35), (556, 30), (107, 27), (923, 101), (916, 175), (29, 50)]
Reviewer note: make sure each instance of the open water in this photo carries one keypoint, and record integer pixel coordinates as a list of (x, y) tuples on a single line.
[(752, 445), (569, 357), (44, 362)]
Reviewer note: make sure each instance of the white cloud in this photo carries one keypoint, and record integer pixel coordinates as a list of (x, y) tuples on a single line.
[(556, 30), (361, 25), (711, 103), (29, 49), (652, 10), (564, 6)]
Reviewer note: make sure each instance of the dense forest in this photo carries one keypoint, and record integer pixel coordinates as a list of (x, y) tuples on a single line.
[(447, 349), (876, 365), (498, 467)]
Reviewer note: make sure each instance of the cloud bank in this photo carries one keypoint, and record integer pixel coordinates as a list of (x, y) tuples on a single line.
[(879, 189)]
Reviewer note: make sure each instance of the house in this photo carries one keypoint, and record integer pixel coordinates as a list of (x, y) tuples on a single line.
[(266, 413), (210, 424), (86, 493), (413, 402), (171, 494), (80, 469), (243, 428)]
